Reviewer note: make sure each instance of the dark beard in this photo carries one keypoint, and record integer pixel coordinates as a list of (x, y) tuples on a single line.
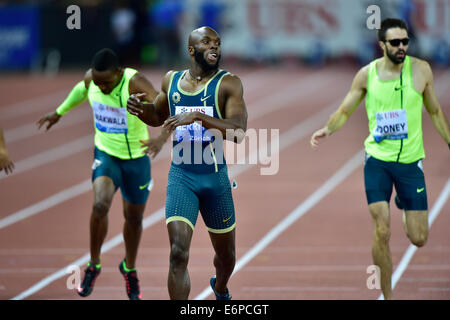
[(203, 63), (394, 59)]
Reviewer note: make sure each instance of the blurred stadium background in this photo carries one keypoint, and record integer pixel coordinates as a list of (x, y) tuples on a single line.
[(34, 36)]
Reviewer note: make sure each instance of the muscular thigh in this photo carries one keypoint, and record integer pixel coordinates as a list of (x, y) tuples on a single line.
[(409, 181), (216, 202), (377, 181), (136, 180), (416, 221), (105, 170), (182, 203)]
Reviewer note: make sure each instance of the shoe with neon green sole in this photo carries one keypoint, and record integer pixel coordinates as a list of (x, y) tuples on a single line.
[(90, 275), (132, 282)]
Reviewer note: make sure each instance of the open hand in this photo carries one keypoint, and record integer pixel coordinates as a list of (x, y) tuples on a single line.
[(6, 163), (181, 119), (319, 134), (135, 105), (51, 118), (152, 146)]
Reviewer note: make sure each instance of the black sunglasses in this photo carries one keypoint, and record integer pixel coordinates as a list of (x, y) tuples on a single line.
[(396, 42)]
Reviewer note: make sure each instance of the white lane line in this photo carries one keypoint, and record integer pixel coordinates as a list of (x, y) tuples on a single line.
[(153, 218), (407, 257), (297, 213), (79, 114), (49, 102), (52, 278), (259, 108), (53, 154), (43, 205), (118, 239), (25, 131), (36, 104)]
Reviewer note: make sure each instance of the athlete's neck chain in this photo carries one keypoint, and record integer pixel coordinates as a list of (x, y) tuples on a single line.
[(199, 78)]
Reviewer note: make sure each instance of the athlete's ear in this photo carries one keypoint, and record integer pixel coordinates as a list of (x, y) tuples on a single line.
[(118, 71), (382, 45), (191, 50)]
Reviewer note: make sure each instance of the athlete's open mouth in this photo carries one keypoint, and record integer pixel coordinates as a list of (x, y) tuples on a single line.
[(212, 56)]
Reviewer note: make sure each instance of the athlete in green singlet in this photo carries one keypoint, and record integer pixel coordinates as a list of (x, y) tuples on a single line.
[(395, 87), (119, 160)]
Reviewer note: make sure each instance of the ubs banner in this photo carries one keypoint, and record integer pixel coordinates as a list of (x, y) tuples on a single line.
[(315, 29), (19, 36)]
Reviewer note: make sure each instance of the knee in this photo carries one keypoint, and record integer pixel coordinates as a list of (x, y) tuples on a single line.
[(419, 240), (179, 256), (134, 220), (227, 257), (383, 233), (100, 209)]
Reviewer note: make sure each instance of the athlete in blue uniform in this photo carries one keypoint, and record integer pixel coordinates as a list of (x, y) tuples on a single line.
[(200, 105)]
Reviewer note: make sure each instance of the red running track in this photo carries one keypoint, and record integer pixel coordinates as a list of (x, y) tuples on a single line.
[(323, 254)]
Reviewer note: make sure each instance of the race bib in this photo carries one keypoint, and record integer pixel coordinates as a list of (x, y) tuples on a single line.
[(194, 131), (110, 119), (392, 125)]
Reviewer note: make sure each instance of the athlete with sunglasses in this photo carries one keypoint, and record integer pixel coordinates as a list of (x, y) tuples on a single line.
[(395, 87)]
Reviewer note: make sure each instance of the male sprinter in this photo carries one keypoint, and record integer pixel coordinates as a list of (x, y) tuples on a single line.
[(5, 161), (198, 177), (395, 87), (118, 158)]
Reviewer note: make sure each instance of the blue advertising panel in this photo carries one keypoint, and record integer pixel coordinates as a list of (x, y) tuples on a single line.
[(19, 36)]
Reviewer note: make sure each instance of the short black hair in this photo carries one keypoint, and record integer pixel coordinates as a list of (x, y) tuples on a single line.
[(104, 60), (389, 23)]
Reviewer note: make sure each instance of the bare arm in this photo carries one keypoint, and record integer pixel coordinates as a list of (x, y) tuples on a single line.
[(154, 145), (432, 105), (155, 112), (77, 96), (140, 84), (235, 113), (5, 161), (348, 106)]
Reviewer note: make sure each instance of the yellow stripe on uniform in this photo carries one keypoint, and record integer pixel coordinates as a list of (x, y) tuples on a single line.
[(178, 218), (214, 157), (217, 95), (222, 230)]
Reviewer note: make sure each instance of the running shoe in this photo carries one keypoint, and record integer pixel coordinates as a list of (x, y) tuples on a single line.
[(219, 296), (90, 275), (132, 282)]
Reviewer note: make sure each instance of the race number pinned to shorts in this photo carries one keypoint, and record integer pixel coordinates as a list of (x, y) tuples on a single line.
[(110, 119), (194, 131), (392, 125)]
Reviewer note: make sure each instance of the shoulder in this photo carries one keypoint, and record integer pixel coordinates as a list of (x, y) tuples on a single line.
[(360, 79), (364, 71), (231, 83), (167, 78), (169, 74), (421, 67), (137, 76)]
